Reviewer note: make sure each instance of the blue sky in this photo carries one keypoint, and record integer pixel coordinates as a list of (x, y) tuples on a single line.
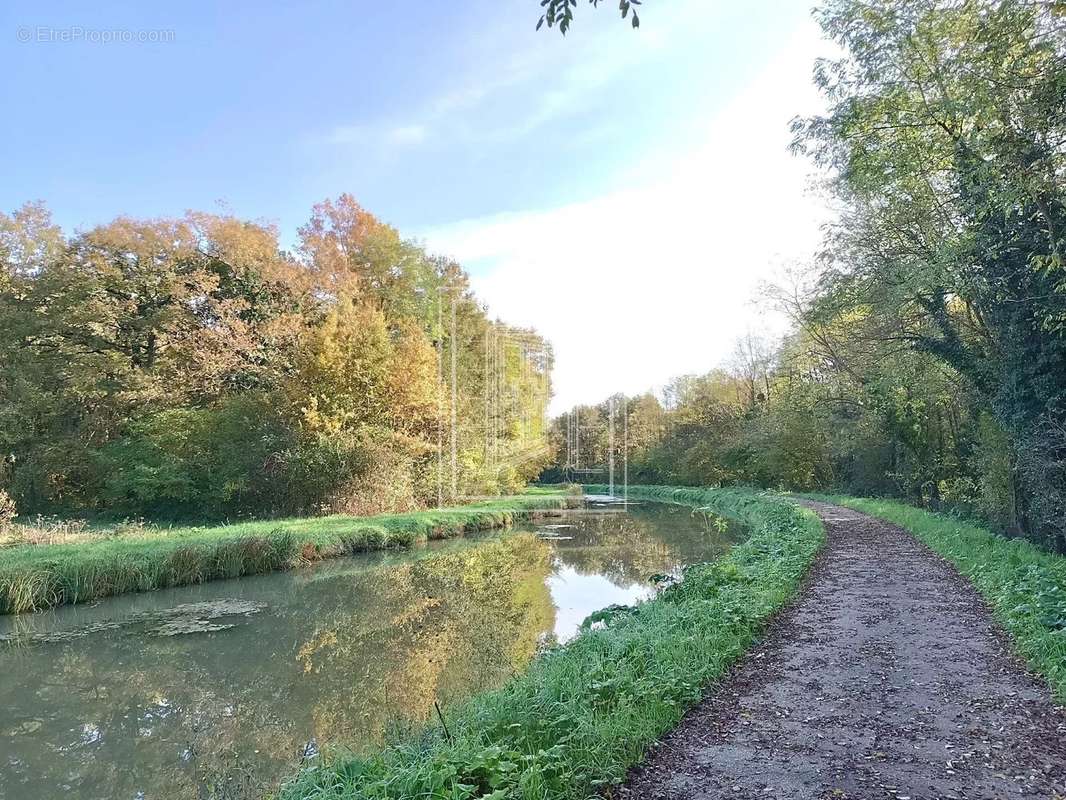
[(459, 124)]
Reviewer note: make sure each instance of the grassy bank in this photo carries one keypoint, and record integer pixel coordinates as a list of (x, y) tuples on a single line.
[(584, 713), (1024, 585), (34, 577)]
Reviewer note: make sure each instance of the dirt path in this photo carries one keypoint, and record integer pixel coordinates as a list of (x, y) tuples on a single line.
[(886, 679)]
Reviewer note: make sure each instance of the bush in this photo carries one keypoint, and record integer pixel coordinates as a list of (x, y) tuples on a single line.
[(362, 472), (203, 462)]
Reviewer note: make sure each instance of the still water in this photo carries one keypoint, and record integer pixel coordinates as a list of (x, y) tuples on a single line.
[(222, 690)]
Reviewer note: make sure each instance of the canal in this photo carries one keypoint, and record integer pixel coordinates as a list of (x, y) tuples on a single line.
[(222, 690)]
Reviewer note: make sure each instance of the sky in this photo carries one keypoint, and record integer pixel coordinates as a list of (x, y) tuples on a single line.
[(624, 191)]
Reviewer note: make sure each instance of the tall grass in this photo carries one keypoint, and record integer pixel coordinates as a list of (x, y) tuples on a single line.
[(584, 713), (34, 577), (1024, 585)]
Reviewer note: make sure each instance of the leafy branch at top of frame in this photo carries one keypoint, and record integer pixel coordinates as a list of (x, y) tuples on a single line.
[(560, 13)]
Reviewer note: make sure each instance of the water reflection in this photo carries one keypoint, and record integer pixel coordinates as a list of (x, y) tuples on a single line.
[(216, 691)]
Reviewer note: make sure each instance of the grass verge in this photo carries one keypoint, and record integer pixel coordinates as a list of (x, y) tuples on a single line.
[(34, 577), (1024, 585), (584, 713)]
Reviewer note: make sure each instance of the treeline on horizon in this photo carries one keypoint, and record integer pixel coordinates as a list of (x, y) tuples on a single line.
[(927, 355), (191, 367)]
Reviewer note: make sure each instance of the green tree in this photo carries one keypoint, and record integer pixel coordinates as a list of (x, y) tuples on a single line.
[(189, 366), (945, 136)]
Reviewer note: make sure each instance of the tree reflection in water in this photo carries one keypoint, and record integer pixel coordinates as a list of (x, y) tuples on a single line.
[(348, 653)]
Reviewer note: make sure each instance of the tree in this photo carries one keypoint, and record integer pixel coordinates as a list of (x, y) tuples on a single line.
[(190, 367), (349, 251), (342, 383), (946, 137)]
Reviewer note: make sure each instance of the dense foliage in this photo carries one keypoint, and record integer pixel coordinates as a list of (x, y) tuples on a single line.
[(927, 358), (191, 367), (582, 714)]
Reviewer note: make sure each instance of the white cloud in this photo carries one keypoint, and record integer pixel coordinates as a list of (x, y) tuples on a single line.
[(557, 74), (408, 134), (368, 135), (653, 281)]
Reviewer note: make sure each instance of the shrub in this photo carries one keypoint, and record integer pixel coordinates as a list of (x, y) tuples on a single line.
[(196, 461)]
